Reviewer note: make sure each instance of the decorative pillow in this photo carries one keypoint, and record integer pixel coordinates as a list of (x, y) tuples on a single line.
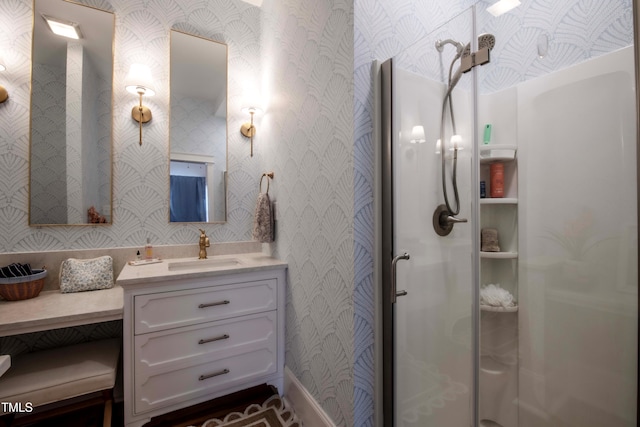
[(77, 275)]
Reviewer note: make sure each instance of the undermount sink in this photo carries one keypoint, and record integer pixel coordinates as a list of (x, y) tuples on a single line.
[(204, 264)]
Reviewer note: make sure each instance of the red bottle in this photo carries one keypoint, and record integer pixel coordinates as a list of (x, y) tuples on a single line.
[(497, 180)]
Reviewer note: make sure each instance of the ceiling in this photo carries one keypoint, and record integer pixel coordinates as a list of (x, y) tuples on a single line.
[(97, 34)]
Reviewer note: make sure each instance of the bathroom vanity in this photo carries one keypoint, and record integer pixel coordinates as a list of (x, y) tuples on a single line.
[(194, 330)]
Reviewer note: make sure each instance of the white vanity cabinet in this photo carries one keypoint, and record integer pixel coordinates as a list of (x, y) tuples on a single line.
[(191, 336)]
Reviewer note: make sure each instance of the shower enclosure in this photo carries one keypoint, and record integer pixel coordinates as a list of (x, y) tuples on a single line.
[(559, 347)]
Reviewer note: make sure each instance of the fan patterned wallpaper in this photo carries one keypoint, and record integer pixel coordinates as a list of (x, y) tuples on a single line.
[(140, 187), (305, 136), (308, 67)]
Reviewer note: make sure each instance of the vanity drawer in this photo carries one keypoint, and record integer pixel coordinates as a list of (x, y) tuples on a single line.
[(157, 391), (166, 350), (166, 310)]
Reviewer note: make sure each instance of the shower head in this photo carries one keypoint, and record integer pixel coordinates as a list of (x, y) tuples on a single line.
[(484, 40), (440, 45)]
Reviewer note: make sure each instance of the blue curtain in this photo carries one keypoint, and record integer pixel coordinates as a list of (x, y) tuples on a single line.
[(188, 196)]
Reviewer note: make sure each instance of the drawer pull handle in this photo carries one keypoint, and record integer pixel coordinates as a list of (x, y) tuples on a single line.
[(221, 337), (215, 374), (213, 304)]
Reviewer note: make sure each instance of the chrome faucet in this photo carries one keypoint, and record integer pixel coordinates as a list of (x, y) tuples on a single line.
[(204, 244)]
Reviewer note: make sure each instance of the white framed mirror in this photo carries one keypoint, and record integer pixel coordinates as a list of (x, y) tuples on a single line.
[(71, 126), (198, 129)]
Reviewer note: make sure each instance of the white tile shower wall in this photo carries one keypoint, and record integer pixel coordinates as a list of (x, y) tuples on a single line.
[(140, 188), (308, 65)]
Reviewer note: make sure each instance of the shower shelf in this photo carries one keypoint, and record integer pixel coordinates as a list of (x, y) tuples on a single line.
[(499, 309), (499, 255), (491, 366), (499, 201), (498, 153)]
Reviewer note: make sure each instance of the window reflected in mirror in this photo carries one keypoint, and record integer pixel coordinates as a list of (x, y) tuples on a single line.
[(198, 130)]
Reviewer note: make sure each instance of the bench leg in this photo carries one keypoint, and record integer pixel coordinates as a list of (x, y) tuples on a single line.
[(108, 406)]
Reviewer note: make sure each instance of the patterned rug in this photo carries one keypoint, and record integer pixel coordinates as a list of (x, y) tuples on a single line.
[(271, 413)]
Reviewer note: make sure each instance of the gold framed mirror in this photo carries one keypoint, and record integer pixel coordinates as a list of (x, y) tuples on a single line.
[(198, 129), (71, 125)]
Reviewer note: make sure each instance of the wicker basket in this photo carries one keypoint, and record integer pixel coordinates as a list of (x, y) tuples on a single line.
[(19, 288)]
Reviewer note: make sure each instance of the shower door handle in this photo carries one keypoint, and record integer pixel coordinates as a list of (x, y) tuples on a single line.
[(394, 262)]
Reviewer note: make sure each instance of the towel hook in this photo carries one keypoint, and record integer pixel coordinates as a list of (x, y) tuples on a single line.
[(269, 178)]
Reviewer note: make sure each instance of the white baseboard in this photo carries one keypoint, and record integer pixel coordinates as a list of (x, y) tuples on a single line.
[(306, 408)]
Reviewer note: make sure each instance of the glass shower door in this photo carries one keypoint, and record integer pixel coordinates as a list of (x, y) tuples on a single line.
[(431, 365)]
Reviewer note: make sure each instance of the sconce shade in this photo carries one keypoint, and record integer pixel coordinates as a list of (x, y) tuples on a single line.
[(417, 135), (249, 110), (457, 143), (139, 80)]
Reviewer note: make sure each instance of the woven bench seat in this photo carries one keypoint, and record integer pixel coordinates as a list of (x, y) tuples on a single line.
[(62, 373)]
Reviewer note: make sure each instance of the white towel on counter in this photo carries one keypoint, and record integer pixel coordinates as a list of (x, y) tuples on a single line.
[(495, 296), (263, 225)]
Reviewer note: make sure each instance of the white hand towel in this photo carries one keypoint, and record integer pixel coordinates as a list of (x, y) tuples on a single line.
[(263, 220)]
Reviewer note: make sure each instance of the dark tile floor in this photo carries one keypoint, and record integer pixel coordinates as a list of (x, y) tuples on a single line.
[(194, 415)]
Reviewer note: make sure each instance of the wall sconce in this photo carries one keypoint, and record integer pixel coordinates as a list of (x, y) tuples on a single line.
[(457, 143), (248, 129), (417, 135), (139, 82), (4, 95)]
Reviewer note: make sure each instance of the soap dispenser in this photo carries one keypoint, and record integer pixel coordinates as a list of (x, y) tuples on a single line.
[(148, 250)]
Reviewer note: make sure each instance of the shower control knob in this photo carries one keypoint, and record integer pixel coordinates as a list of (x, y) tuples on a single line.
[(453, 220), (443, 221)]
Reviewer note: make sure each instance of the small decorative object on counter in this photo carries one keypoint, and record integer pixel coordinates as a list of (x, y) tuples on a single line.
[(148, 250), (20, 281), (496, 171), (489, 240)]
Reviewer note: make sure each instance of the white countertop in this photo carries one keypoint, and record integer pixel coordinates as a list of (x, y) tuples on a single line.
[(53, 309), (194, 268)]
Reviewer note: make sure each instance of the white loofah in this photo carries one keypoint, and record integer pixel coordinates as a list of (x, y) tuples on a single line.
[(494, 296)]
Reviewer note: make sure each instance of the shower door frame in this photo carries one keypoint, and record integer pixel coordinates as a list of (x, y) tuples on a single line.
[(636, 43)]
